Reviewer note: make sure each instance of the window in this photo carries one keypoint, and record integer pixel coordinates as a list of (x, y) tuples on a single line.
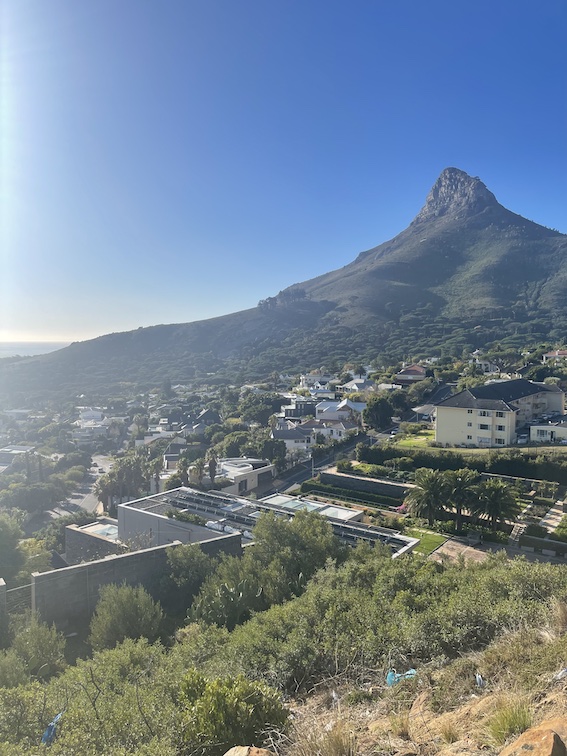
[(542, 433), (483, 426), (469, 438), (469, 412), (484, 413), (469, 425), (499, 441), (499, 414), (500, 427)]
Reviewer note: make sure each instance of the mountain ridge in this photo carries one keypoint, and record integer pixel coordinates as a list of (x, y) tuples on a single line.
[(464, 262)]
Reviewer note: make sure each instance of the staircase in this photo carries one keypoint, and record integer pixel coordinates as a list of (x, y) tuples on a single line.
[(514, 538)]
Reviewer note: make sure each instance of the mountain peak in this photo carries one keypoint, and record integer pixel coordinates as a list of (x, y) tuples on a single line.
[(455, 193)]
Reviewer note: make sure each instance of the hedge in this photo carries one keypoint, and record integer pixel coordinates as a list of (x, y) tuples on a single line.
[(362, 496)]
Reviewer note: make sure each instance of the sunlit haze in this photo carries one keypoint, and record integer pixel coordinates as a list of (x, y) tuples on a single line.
[(168, 162)]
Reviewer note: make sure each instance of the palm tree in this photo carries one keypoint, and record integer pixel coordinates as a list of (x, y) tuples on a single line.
[(496, 501), (183, 470), (462, 491), (429, 495), (198, 470)]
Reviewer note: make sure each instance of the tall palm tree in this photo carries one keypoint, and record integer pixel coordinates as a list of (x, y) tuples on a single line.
[(198, 470), (430, 494), (462, 492), (183, 470), (496, 501)]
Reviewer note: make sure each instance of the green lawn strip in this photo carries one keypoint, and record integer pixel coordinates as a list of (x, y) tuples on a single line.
[(419, 439), (428, 541)]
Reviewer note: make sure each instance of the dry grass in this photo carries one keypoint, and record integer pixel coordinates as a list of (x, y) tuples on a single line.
[(559, 616), (512, 715), (336, 739), (400, 724), (449, 732)]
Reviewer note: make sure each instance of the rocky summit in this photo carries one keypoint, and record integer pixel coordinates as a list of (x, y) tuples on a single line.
[(455, 193)]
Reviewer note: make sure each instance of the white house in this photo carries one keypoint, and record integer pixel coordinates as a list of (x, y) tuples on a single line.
[(246, 474), (549, 432), (343, 410), (557, 355), (491, 415)]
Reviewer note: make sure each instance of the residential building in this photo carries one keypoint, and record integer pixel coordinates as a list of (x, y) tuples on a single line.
[(557, 355), (357, 385), (343, 410), (410, 374), (550, 432), (491, 415), (245, 473)]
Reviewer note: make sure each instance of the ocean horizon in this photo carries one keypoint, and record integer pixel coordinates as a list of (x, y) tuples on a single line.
[(29, 348)]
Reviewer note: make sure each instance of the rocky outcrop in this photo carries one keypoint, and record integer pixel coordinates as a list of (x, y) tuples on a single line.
[(547, 739), (453, 193)]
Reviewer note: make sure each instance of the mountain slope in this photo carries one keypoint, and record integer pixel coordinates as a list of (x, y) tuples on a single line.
[(464, 263)]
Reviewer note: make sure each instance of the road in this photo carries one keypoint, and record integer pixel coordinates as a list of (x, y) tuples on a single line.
[(306, 470), (84, 498)]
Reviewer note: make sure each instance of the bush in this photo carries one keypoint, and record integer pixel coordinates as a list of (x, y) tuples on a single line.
[(40, 647), (124, 612), (539, 531), (225, 711)]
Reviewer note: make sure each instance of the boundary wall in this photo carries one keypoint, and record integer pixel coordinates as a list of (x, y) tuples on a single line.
[(68, 597)]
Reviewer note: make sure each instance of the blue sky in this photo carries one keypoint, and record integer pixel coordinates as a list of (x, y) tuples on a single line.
[(170, 161)]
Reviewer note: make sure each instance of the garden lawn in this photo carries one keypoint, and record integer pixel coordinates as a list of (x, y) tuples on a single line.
[(428, 541), (416, 439)]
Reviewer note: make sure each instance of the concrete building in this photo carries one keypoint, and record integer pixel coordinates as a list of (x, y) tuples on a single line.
[(492, 415), (227, 515), (246, 474)]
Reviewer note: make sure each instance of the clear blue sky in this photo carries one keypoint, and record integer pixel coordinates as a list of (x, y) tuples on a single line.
[(170, 161)]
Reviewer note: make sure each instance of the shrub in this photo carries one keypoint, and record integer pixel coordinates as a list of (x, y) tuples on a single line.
[(124, 612), (40, 647), (539, 531), (225, 711)]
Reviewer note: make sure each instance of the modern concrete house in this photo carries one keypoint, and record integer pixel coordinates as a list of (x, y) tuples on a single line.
[(491, 415)]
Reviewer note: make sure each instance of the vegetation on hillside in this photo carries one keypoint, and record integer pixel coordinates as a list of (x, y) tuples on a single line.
[(297, 613)]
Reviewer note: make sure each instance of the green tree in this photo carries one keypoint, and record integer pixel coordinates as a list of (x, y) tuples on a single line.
[(183, 470), (124, 612), (11, 556), (430, 494), (378, 413), (13, 670), (197, 471), (462, 492), (189, 566), (496, 501), (212, 469)]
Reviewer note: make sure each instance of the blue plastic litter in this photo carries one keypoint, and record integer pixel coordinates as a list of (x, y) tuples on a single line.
[(51, 731), (393, 677)]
